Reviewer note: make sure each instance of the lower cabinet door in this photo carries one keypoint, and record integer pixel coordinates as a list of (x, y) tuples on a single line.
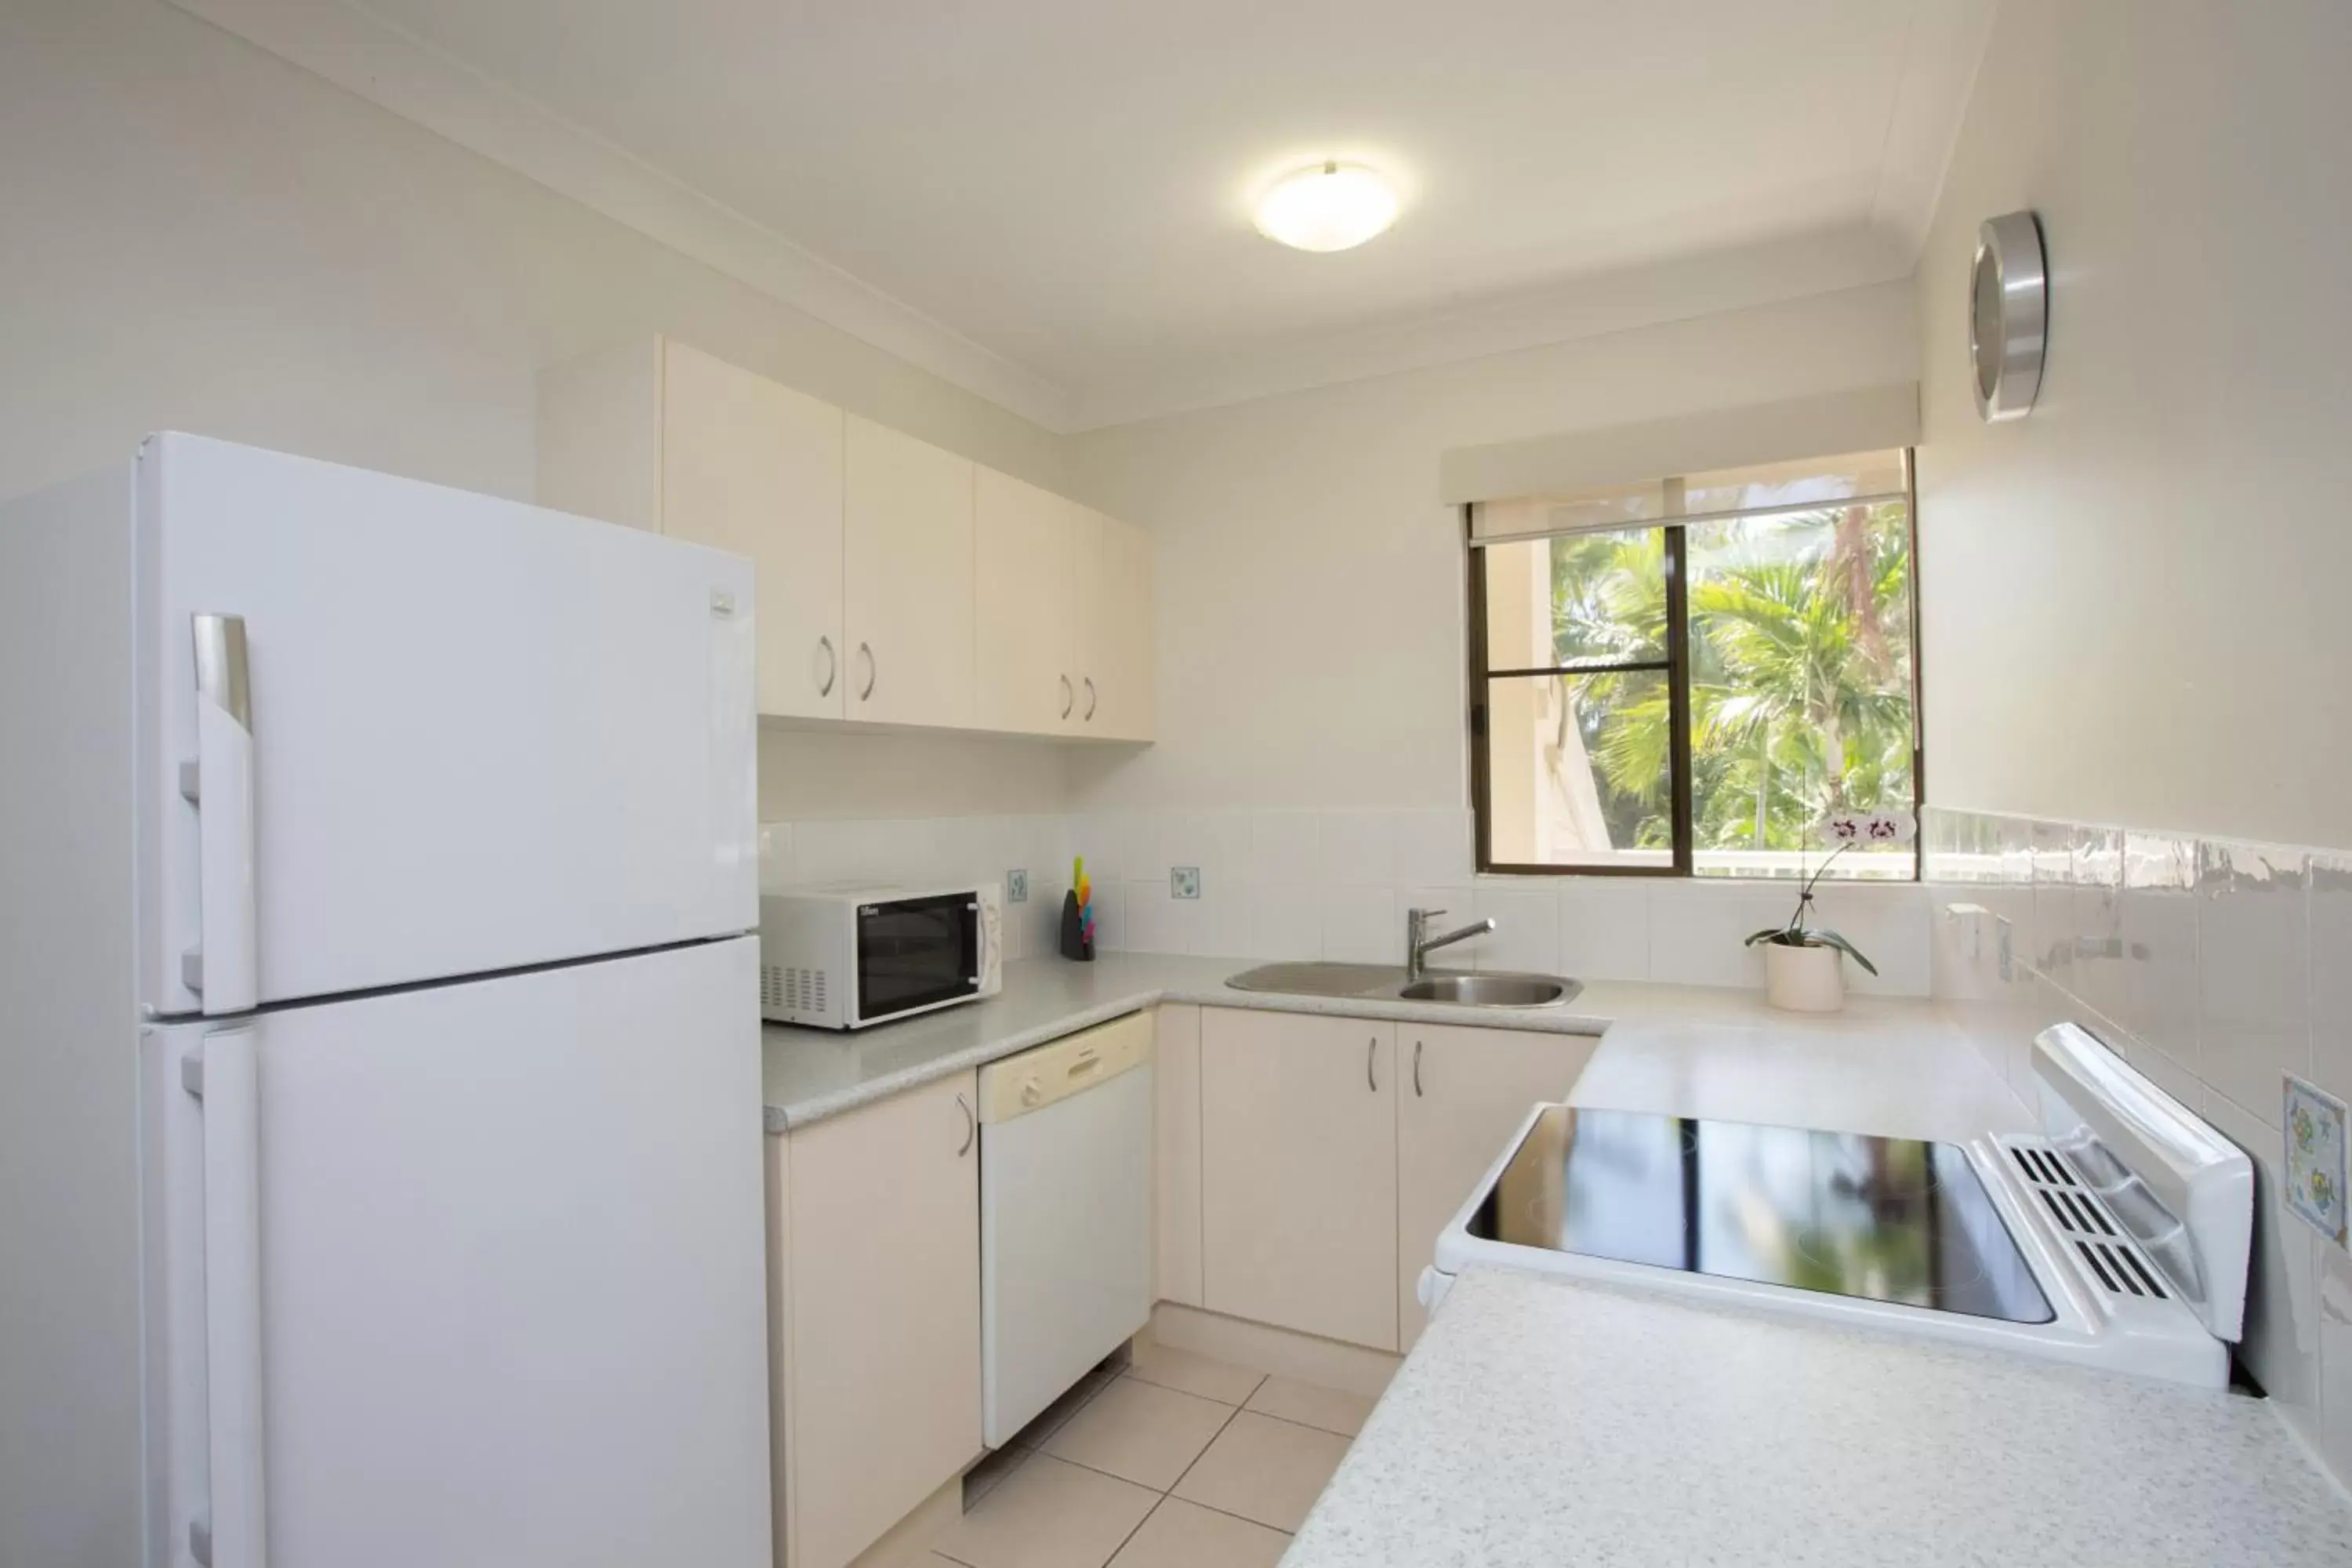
[(1298, 1173), (1176, 1184), (1461, 1094), (882, 1280)]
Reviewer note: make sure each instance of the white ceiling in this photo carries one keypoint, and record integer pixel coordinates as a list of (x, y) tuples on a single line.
[(1048, 201)]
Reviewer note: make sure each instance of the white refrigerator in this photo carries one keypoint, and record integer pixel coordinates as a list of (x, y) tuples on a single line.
[(380, 1165)]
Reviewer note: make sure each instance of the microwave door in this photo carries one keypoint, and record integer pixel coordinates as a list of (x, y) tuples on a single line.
[(915, 954)]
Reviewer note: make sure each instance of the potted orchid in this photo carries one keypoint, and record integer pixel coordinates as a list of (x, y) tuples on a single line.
[(1804, 964)]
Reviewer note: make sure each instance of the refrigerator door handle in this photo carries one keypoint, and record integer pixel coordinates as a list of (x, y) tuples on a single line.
[(233, 1531), (224, 970)]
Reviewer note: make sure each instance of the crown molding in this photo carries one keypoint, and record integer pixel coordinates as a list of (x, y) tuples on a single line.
[(1641, 295), (370, 57), (365, 55), (1941, 55)]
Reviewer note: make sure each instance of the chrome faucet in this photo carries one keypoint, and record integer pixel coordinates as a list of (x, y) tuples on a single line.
[(1419, 944)]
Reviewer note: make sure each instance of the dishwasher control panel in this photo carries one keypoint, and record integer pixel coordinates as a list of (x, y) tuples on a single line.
[(1060, 1068)]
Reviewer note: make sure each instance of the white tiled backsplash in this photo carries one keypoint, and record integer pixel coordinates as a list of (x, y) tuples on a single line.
[(2215, 967), (1336, 884)]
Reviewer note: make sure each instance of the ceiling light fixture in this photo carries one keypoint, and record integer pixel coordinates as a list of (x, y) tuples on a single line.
[(1331, 206)]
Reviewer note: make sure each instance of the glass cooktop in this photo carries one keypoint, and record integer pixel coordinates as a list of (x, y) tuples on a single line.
[(1886, 1219)]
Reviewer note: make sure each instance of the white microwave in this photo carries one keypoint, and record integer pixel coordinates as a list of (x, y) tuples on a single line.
[(842, 956)]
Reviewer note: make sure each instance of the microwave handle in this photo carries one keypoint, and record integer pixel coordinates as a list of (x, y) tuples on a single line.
[(981, 947)]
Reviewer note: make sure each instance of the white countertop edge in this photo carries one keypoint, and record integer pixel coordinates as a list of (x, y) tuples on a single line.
[(779, 1118), (811, 1075), (816, 1108)]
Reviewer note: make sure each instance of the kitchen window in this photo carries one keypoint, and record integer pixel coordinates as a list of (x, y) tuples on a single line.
[(1684, 677)]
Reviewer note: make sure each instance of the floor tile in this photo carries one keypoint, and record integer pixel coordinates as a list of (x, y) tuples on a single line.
[(1047, 1514), (1311, 1405), (1050, 1421), (1180, 1534), (1263, 1469), (1189, 1374), (1140, 1432)]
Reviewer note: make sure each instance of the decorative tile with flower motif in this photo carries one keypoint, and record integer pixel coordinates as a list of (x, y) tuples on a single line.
[(1870, 828), (2315, 1157)]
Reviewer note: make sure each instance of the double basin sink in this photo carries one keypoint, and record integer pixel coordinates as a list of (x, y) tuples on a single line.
[(1388, 982)]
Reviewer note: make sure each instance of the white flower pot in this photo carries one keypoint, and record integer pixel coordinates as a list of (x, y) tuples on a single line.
[(1804, 979)]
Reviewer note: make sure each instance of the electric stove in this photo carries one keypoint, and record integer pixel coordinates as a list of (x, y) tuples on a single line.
[(2118, 1237)]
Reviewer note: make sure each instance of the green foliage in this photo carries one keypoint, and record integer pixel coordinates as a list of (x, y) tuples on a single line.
[(1800, 673)]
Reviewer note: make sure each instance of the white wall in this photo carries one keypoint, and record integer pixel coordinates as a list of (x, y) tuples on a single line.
[(2135, 599), (833, 775), (201, 236), (1310, 584)]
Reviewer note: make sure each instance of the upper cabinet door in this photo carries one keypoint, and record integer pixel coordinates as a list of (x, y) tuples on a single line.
[(755, 467), (908, 580), (599, 434), (1114, 620), (1025, 607)]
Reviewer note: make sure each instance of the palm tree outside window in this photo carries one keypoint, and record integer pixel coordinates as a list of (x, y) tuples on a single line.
[(1686, 677)]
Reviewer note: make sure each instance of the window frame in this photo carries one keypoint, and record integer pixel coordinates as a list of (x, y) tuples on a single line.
[(1677, 666)]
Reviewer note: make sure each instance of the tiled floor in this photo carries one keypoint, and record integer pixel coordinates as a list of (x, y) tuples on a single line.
[(1177, 1461)]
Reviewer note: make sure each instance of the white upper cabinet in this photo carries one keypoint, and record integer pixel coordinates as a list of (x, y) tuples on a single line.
[(1025, 607), (662, 436), (755, 467), (1114, 594), (599, 419), (1064, 616), (908, 583), (896, 584)]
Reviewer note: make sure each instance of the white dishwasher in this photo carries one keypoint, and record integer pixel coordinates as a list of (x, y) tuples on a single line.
[(1066, 1147)]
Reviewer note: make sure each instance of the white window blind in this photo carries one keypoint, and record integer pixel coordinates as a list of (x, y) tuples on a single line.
[(1608, 476)]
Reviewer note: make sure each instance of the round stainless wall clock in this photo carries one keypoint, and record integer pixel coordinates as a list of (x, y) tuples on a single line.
[(2009, 315)]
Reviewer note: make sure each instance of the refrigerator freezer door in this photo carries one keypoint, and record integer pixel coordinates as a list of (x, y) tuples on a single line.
[(481, 735), (512, 1299)]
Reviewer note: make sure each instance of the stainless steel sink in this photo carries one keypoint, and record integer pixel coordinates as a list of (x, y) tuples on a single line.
[(1490, 989), (1323, 979), (1387, 983)]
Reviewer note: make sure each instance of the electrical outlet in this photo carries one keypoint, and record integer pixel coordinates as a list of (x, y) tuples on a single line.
[(1016, 887), (1183, 881)]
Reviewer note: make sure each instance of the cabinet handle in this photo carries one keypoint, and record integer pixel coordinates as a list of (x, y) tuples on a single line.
[(868, 650), (832, 666), (1091, 698), (970, 1126), (1372, 1055), (1069, 698), (1416, 1069)]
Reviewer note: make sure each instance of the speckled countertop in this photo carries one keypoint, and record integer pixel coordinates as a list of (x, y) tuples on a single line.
[(811, 1074), (1540, 1422)]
